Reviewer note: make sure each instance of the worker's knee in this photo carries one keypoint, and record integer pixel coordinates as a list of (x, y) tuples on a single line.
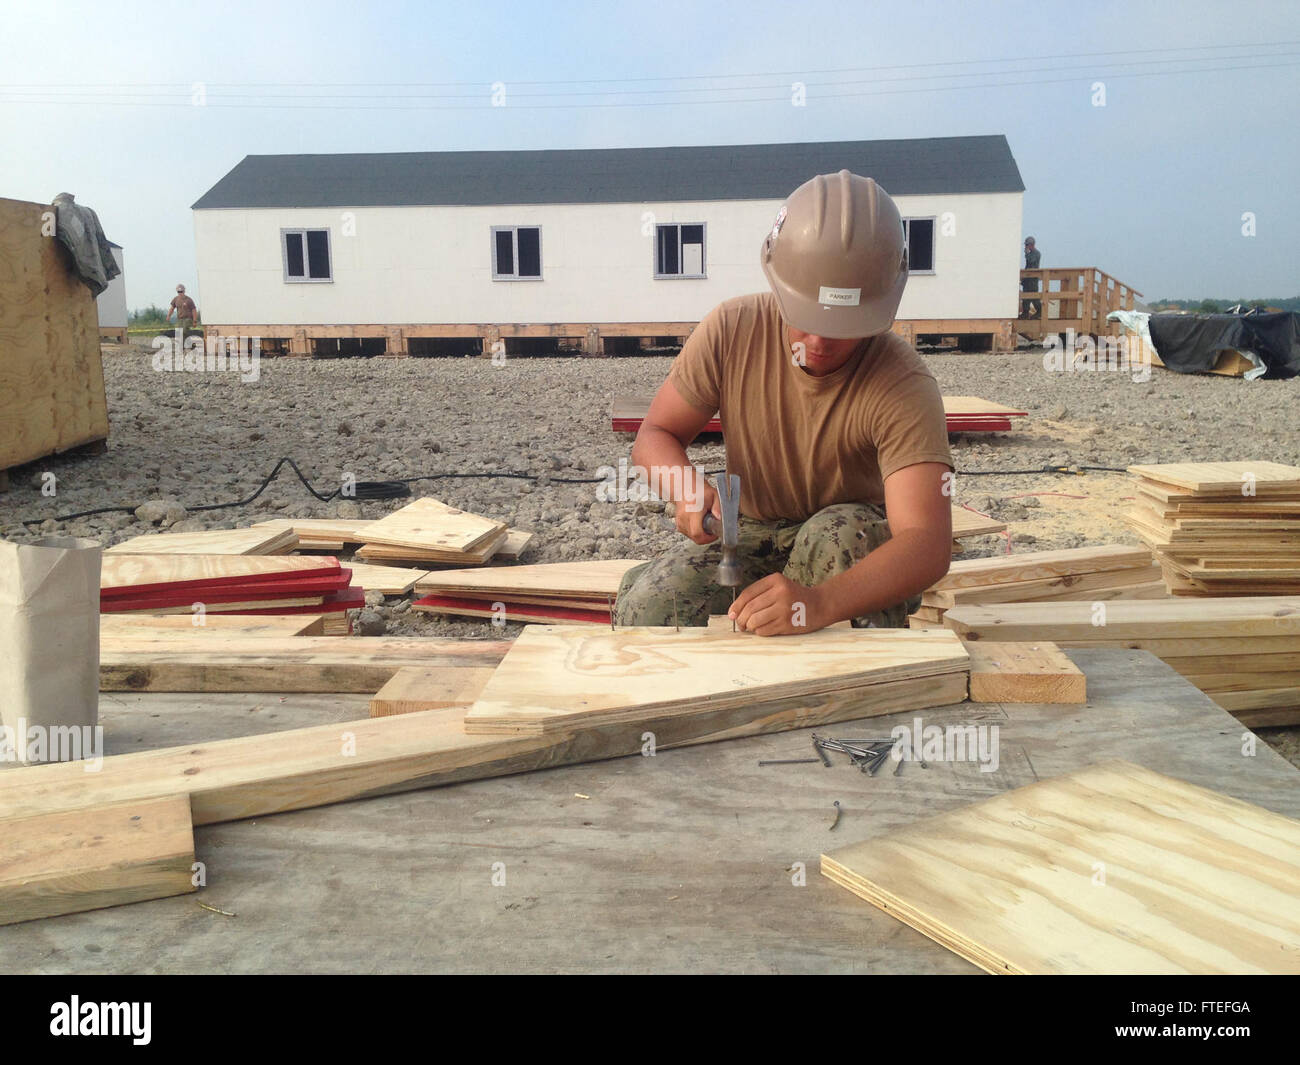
[(676, 589), (834, 539)]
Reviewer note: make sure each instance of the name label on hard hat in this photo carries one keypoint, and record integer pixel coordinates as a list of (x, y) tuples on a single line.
[(839, 297)]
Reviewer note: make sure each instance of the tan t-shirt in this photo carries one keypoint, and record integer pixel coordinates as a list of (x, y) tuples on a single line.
[(801, 443)]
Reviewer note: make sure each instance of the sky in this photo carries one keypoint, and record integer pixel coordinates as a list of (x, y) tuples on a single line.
[(1155, 175)]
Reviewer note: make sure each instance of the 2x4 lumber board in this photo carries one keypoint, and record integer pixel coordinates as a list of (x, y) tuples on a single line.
[(553, 580), (1046, 587), (1125, 618), (294, 664), (416, 688), (1259, 699), (1194, 881), (51, 374), (431, 525), (1236, 664), (1024, 673), (1269, 717), (209, 542), (554, 676), (1211, 477), (253, 776), (1039, 565), (1245, 682), (265, 625), (1243, 649), (131, 575), (85, 859)]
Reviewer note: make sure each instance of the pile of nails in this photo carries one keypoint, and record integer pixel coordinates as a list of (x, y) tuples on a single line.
[(867, 754)]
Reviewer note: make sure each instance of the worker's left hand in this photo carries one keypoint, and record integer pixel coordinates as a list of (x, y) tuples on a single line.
[(778, 606)]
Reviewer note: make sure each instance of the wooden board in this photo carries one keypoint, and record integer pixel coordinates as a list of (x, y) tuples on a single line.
[(1038, 565), (1125, 619), (972, 523), (430, 525), (389, 553), (390, 580), (225, 625), (1194, 881), (1024, 673), (575, 580), (416, 688), (209, 542), (51, 375), (514, 545), (564, 614), (131, 574), (554, 676), (1075, 584), (294, 664), (71, 861), (256, 775), (335, 533), (1222, 477)]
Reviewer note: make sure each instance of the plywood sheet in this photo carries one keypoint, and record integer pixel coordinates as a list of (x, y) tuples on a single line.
[(430, 525), (390, 580), (209, 542), (1071, 586), (1219, 477), (387, 552), (68, 862), (574, 613), (576, 580), (556, 676), (1191, 881), (972, 523), (130, 574)]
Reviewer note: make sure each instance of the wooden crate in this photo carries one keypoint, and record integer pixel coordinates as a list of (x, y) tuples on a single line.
[(51, 376)]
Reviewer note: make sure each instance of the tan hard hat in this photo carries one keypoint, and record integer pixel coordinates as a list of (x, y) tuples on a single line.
[(836, 258)]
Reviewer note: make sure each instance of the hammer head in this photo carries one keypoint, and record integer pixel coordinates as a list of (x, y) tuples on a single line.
[(729, 497)]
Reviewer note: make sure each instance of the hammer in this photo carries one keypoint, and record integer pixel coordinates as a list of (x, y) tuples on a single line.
[(728, 486)]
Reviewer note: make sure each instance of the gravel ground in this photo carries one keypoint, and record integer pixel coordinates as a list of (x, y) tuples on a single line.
[(197, 438)]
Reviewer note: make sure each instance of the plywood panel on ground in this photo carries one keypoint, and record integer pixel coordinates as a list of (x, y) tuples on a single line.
[(1191, 881)]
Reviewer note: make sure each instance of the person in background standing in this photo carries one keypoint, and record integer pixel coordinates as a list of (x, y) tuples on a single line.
[(187, 313), (1031, 308)]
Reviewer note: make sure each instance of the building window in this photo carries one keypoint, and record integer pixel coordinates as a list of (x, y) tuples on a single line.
[(920, 245), (679, 250), (516, 253), (306, 254)]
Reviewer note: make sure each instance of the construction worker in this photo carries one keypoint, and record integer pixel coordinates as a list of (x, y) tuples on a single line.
[(833, 423), (185, 309), (1031, 308)]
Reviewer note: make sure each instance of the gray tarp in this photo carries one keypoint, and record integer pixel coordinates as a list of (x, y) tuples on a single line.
[(78, 230)]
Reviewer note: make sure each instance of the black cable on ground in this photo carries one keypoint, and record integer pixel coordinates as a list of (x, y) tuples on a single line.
[(398, 489)]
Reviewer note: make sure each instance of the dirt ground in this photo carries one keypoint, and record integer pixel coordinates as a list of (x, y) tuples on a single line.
[(197, 438)]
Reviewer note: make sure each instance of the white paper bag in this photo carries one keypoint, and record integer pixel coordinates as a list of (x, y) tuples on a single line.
[(49, 645)]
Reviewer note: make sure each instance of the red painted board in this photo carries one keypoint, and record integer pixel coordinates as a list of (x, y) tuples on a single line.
[(328, 565), (231, 593), (352, 598)]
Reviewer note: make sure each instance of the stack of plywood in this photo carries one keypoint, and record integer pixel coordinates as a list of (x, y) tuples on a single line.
[(571, 592), (1092, 573), (1243, 652), (255, 541), (1222, 528), (51, 376), (169, 583)]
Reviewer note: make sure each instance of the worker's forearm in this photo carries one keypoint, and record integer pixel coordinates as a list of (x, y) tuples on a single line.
[(898, 569), (665, 461)]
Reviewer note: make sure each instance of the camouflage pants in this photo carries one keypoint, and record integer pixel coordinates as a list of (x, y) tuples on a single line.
[(809, 552)]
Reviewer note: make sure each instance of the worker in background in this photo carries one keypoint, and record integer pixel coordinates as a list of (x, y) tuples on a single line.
[(834, 424), (187, 313), (1031, 308)]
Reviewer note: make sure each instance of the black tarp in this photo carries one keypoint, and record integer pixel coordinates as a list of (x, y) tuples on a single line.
[(1190, 343)]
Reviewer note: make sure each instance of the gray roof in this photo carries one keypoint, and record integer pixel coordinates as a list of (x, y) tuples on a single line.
[(944, 165)]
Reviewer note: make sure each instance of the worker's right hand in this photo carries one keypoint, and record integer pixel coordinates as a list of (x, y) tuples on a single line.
[(689, 513)]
